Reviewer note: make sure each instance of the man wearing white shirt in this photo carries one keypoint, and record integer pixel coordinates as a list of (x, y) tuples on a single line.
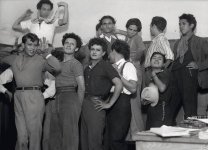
[(119, 115), (42, 26), (159, 43)]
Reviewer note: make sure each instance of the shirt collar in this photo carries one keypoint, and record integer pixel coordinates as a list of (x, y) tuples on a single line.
[(107, 38), (159, 35), (120, 62), (90, 65)]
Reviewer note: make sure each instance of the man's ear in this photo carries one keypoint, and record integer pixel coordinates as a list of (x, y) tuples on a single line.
[(103, 53), (192, 26), (76, 49)]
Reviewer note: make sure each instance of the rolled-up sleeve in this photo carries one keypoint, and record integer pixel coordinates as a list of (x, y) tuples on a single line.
[(52, 65), (6, 76), (25, 24)]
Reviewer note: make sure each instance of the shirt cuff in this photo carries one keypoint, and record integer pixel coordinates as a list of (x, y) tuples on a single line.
[(49, 55), (45, 95), (3, 89)]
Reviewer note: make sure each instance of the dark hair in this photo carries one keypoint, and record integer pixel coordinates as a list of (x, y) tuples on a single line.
[(107, 17), (122, 48), (190, 19), (158, 53), (59, 54), (136, 22), (159, 22), (97, 27), (41, 2), (33, 37), (98, 41), (72, 36)]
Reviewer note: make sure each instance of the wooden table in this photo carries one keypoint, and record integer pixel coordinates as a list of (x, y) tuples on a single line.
[(150, 141)]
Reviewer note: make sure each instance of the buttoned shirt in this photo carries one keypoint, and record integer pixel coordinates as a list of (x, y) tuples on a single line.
[(41, 30), (98, 80), (159, 44), (129, 73)]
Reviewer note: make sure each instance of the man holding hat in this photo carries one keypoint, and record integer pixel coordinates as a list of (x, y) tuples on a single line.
[(157, 79)]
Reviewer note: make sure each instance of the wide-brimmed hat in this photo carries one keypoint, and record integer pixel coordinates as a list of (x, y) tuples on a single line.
[(150, 94)]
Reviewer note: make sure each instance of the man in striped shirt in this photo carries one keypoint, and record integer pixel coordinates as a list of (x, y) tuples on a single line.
[(159, 43)]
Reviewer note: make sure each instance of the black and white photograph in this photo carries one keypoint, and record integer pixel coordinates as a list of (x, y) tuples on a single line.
[(103, 74)]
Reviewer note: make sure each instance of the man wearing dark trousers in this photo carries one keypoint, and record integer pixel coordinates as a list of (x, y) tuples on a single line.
[(119, 115), (99, 77), (190, 58)]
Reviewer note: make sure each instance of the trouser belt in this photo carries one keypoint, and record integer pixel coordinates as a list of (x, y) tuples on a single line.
[(29, 88)]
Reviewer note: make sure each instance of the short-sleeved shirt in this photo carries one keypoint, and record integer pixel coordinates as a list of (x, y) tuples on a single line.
[(159, 44), (28, 71), (98, 80), (69, 71), (129, 73), (164, 76), (41, 30), (136, 47)]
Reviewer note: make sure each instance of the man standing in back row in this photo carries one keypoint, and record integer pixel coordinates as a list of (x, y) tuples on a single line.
[(191, 53), (43, 26), (159, 43)]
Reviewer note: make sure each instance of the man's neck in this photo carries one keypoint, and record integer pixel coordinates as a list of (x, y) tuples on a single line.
[(118, 58), (157, 69), (68, 57), (189, 34), (157, 33), (108, 34), (94, 62)]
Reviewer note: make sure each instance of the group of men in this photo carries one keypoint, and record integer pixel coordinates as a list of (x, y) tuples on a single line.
[(99, 84)]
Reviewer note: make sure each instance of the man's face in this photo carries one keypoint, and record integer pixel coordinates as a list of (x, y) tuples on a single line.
[(70, 46), (132, 31), (157, 61), (185, 27), (107, 25), (45, 10), (96, 52), (30, 47)]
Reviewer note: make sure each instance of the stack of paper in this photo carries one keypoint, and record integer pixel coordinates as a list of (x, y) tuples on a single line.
[(205, 120), (169, 131)]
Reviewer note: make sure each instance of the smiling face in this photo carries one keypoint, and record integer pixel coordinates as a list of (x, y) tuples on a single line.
[(157, 61), (107, 25), (30, 47), (96, 52), (132, 31), (45, 10), (70, 46), (185, 27)]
